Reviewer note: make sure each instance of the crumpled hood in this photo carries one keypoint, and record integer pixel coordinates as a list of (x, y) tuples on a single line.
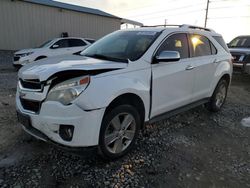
[(27, 50), (240, 50), (45, 68)]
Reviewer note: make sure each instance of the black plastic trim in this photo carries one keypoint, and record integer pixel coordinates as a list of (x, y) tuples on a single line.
[(178, 110)]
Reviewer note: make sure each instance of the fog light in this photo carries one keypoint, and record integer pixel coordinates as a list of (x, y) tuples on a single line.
[(66, 132)]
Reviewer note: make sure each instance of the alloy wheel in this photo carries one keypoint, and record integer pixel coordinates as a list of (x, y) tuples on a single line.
[(221, 95), (120, 133)]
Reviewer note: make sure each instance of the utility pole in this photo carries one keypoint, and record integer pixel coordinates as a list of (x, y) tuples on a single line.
[(206, 13), (165, 22)]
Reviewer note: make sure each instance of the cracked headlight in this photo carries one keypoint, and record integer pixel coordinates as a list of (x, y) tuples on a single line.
[(69, 90)]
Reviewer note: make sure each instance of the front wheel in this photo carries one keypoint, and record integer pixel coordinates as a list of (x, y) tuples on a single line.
[(119, 131), (219, 96)]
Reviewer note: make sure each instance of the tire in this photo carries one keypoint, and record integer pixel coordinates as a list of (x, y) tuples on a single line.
[(219, 96), (117, 137), (40, 57)]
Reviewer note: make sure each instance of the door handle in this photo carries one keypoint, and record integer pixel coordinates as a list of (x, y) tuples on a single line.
[(189, 67)]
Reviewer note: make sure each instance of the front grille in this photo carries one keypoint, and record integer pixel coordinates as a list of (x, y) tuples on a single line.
[(29, 105), (237, 58), (31, 84), (16, 58), (247, 59)]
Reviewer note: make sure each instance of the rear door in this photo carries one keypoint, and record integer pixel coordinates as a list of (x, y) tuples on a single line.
[(172, 82), (203, 54)]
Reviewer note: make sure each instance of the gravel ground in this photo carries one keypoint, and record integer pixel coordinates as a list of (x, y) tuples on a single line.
[(194, 149)]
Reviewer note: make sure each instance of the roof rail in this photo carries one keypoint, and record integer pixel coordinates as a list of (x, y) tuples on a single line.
[(186, 26), (196, 27), (169, 25)]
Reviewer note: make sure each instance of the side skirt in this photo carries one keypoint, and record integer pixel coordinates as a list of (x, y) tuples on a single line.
[(171, 113)]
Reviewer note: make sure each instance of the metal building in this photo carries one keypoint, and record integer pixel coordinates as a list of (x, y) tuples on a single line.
[(29, 23)]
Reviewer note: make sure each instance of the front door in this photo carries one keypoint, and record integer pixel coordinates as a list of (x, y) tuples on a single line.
[(172, 82)]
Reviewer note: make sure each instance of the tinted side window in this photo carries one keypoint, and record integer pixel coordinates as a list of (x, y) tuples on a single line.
[(200, 46), (176, 42), (221, 41), (63, 43), (76, 42)]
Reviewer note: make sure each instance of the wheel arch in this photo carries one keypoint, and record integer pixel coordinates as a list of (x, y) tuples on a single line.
[(131, 99), (223, 71), (227, 77)]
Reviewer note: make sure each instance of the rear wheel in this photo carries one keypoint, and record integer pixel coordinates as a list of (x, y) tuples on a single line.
[(219, 96), (119, 131)]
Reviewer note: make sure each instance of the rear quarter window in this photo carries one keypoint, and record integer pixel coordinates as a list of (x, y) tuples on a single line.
[(221, 41)]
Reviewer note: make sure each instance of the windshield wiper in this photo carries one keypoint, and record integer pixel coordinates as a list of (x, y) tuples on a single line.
[(104, 57)]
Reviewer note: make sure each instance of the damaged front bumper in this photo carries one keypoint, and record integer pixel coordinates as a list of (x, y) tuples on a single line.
[(66, 125)]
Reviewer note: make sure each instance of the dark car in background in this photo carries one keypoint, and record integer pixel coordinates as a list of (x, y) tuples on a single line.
[(240, 50)]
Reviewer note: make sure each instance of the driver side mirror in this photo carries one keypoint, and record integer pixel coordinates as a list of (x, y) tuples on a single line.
[(167, 56), (55, 46)]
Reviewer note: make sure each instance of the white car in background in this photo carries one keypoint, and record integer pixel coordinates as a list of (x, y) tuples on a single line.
[(55, 47)]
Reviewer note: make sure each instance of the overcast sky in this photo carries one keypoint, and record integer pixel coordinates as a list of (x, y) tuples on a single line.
[(228, 17)]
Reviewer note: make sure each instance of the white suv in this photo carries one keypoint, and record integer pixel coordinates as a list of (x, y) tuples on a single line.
[(55, 47), (103, 96)]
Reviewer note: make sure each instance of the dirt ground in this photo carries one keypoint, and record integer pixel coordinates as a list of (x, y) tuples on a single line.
[(193, 149)]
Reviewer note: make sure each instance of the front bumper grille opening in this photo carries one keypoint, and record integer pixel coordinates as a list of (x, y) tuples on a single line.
[(33, 106), (27, 84)]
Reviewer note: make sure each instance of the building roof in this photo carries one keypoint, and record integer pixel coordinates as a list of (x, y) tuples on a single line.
[(127, 21), (72, 7)]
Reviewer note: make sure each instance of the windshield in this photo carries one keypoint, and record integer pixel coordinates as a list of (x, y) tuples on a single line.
[(46, 44), (240, 42), (122, 45)]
